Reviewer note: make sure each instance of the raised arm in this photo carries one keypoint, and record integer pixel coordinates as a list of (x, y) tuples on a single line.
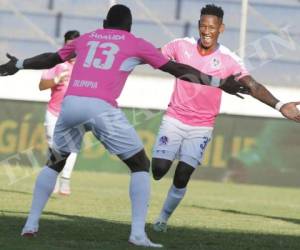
[(42, 61), (259, 92)]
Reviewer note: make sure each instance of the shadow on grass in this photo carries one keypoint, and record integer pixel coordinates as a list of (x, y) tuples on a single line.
[(232, 211), (77, 232), (52, 197), (14, 191)]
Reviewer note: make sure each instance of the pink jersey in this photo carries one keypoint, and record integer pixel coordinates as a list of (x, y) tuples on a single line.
[(58, 91), (195, 104), (104, 59)]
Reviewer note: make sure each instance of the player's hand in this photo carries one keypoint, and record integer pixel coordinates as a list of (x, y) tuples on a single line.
[(62, 77), (290, 111), (9, 68), (231, 86)]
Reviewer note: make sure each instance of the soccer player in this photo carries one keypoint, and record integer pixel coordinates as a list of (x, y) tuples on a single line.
[(187, 125), (104, 59), (57, 79)]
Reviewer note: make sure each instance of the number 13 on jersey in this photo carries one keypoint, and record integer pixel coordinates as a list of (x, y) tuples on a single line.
[(108, 49)]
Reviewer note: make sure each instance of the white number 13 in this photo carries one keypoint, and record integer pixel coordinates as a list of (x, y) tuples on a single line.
[(110, 52)]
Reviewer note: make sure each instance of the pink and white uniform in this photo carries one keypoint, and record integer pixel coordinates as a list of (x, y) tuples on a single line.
[(187, 125), (105, 58), (59, 90), (195, 104)]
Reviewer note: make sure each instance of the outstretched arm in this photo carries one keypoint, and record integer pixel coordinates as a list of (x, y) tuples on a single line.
[(190, 74), (186, 73), (259, 92), (42, 61)]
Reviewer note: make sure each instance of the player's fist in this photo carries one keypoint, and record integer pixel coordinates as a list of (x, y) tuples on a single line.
[(9, 68)]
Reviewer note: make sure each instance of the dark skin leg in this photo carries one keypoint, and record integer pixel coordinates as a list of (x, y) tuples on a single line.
[(138, 162), (57, 160), (160, 167), (182, 175)]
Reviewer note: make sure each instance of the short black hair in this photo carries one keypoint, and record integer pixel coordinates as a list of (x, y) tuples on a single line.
[(119, 15), (211, 9), (71, 34)]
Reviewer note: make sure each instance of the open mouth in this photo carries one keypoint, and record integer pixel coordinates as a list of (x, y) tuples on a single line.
[(206, 39)]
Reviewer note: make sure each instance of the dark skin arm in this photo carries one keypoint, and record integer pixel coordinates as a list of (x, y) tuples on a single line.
[(186, 73), (42, 61), (182, 71), (259, 92), (49, 60), (190, 74)]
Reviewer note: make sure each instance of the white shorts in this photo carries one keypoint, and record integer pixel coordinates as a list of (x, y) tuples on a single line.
[(50, 121), (176, 140), (108, 124)]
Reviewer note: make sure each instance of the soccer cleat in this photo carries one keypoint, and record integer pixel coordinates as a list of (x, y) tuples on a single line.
[(26, 232), (143, 241), (160, 226)]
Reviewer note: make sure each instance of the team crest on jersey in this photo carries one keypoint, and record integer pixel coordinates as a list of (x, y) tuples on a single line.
[(215, 63), (163, 140)]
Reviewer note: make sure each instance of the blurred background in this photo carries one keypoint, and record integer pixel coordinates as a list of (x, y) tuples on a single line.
[(251, 144)]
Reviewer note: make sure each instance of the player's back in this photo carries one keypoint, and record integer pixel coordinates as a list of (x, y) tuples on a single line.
[(104, 59)]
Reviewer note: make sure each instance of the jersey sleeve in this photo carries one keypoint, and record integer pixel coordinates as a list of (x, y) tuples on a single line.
[(171, 49), (49, 73), (238, 66), (150, 55), (68, 51)]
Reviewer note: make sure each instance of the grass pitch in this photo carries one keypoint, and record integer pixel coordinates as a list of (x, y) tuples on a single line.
[(213, 216)]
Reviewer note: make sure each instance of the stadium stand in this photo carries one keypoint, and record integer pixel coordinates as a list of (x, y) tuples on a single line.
[(41, 23)]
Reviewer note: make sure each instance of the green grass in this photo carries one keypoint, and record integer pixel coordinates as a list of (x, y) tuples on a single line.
[(214, 216)]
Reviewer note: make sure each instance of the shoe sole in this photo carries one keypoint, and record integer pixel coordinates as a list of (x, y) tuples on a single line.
[(64, 194), (159, 230), (29, 235), (140, 245), (133, 244)]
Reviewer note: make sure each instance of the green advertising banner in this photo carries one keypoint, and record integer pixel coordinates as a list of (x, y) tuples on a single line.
[(243, 149)]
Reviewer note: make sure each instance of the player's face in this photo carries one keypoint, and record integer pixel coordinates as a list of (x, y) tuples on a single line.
[(209, 29)]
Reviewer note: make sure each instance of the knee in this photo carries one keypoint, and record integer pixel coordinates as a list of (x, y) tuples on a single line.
[(138, 162), (182, 175), (157, 172), (57, 160), (181, 181), (160, 167)]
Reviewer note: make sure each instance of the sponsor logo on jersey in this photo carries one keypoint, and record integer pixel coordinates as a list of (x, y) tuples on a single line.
[(85, 84), (115, 37), (215, 63), (163, 140)]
